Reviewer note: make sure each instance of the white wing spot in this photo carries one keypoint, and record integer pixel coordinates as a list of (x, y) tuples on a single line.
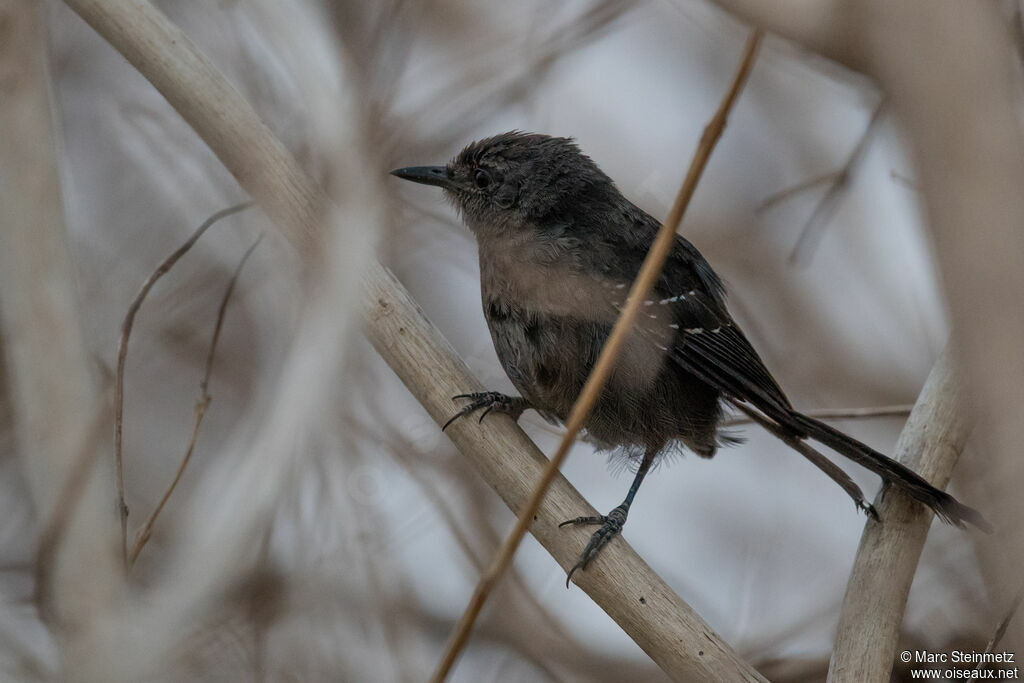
[(620, 285), (674, 326), (649, 302), (694, 330), (716, 330)]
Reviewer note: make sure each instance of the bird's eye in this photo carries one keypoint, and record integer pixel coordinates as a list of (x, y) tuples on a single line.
[(481, 179)]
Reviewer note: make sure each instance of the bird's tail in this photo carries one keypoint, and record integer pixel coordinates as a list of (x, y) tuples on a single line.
[(945, 506)]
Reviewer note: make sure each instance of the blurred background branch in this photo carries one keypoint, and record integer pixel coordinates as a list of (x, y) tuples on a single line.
[(54, 396)]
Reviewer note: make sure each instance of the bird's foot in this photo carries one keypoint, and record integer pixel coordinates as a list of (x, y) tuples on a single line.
[(868, 509), (611, 525), (512, 406)]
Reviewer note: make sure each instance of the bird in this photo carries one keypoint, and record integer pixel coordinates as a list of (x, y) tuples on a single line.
[(559, 246)]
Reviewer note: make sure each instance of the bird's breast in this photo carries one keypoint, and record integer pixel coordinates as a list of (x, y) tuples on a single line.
[(541, 279)]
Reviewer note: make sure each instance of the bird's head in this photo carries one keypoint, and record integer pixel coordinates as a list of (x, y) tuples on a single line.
[(513, 180)]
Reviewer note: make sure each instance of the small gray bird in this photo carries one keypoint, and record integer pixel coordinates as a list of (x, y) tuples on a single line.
[(559, 248)]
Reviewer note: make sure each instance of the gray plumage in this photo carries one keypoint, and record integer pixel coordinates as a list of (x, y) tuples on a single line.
[(559, 247)]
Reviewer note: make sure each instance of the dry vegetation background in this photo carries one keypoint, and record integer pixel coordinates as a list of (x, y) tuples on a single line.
[(324, 528)]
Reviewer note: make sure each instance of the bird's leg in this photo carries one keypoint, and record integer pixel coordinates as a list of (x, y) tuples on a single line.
[(612, 523), (512, 406)]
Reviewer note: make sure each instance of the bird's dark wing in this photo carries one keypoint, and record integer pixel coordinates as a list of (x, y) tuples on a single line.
[(711, 346), (706, 341)]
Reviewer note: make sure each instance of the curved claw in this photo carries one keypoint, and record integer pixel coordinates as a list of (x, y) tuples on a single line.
[(466, 410), (490, 400), (568, 577), (611, 525), (869, 510), (453, 418)]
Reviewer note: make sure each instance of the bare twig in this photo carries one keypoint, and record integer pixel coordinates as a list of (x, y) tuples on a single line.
[(783, 195), (202, 404), (602, 368), (876, 595), (122, 356), (826, 207), (900, 410), (663, 625)]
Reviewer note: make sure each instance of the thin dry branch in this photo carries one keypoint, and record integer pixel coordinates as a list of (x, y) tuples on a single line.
[(649, 272), (886, 561), (144, 533), (122, 357), (790, 192), (900, 410), (828, 204), (868, 412), (668, 629)]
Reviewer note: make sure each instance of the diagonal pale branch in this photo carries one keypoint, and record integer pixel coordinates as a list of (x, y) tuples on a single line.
[(649, 272), (876, 595), (643, 605)]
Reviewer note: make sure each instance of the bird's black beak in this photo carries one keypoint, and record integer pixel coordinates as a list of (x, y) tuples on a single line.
[(427, 175)]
